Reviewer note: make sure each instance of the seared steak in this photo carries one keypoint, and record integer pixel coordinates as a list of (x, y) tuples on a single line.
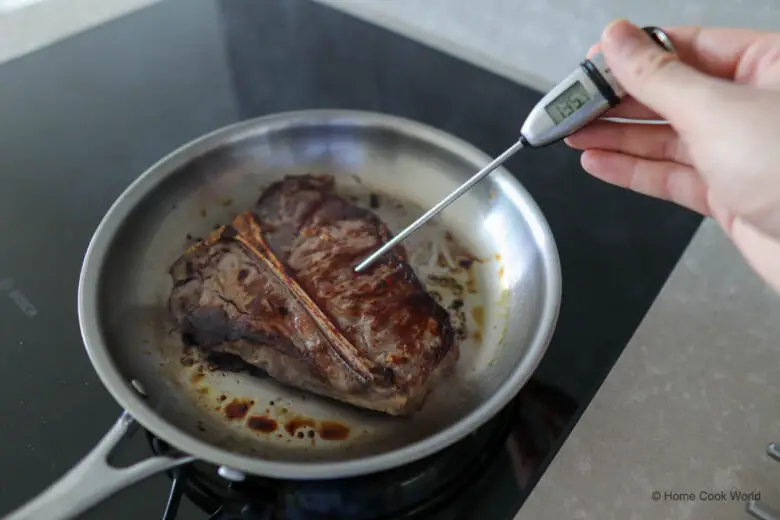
[(277, 289)]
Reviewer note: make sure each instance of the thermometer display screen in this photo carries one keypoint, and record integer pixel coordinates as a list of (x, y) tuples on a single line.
[(568, 102)]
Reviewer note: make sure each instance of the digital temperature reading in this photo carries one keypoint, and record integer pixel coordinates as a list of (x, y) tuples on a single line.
[(567, 102)]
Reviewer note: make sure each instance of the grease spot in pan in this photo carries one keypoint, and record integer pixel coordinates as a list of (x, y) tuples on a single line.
[(478, 313), (333, 431), (238, 408), (262, 424), (293, 425)]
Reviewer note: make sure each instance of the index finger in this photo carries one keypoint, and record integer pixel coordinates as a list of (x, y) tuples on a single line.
[(717, 51)]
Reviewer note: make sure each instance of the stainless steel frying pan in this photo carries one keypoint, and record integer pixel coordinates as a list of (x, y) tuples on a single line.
[(490, 258)]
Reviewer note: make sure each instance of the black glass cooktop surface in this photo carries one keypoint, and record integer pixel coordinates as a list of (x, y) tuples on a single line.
[(84, 117)]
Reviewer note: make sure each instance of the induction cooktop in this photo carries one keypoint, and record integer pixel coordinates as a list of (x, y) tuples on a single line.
[(84, 117)]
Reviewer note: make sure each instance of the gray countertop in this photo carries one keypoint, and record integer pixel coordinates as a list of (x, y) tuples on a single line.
[(689, 407)]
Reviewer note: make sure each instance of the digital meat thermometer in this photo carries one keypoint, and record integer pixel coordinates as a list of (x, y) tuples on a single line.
[(583, 96)]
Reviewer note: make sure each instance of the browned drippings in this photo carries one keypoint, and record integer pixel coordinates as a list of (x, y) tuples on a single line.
[(222, 398), (333, 431), (447, 282), (263, 424), (294, 424), (397, 359), (471, 283), (238, 408), (203, 390), (197, 377), (478, 313), (327, 430)]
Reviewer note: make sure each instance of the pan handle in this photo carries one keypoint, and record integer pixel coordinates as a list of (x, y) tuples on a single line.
[(93, 480)]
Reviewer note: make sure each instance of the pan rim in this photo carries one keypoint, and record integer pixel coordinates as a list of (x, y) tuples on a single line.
[(127, 397)]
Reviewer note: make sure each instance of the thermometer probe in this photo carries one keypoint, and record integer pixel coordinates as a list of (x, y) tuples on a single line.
[(583, 96)]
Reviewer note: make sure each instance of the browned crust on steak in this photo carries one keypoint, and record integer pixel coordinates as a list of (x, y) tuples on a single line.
[(277, 288), (251, 236)]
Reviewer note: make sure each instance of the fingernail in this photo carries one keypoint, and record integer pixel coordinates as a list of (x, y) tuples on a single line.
[(621, 36)]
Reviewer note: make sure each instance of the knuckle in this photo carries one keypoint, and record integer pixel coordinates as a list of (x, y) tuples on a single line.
[(670, 147), (653, 63)]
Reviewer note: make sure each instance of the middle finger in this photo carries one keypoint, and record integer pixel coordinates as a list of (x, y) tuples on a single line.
[(630, 108), (658, 142)]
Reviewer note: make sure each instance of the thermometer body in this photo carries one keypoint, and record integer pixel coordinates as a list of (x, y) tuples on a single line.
[(588, 92)]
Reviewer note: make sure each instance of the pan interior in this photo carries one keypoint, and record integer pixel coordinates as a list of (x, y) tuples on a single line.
[(402, 172)]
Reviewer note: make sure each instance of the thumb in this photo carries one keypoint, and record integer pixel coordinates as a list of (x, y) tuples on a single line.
[(652, 75)]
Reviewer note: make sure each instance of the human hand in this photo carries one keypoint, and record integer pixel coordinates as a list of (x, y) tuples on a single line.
[(720, 153)]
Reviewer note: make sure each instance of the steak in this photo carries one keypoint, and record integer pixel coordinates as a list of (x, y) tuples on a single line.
[(276, 289)]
